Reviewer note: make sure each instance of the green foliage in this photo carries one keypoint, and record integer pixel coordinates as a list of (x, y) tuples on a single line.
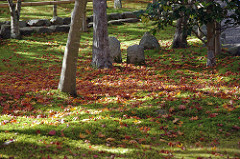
[(164, 12)]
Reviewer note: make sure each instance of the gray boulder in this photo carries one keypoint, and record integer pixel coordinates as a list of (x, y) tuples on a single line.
[(27, 31), (5, 31), (89, 19), (59, 28), (126, 15), (22, 24), (129, 20), (66, 21), (233, 49), (43, 29), (115, 50), (148, 41), (39, 22), (114, 16), (56, 21), (115, 22), (135, 55)]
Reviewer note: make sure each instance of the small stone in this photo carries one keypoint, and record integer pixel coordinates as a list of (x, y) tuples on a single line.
[(135, 55), (115, 50), (148, 41)]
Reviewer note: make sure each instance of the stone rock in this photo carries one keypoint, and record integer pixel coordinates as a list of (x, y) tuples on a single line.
[(233, 49), (27, 31), (89, 19), (60, 28), (114, 16), (138, 13), (43, 29), (126, 15), (115, 50), (56, 21), (22, 24), (115, 22), (90, 25), (39, 22), (148, 41), (66, 21), (129, 20), (135, 54), (5, 31)]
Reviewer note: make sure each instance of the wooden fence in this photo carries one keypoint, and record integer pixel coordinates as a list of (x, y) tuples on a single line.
[(5, 5)]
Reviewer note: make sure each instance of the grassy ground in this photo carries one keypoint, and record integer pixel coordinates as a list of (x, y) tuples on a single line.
[(174, 107), (64, 10)]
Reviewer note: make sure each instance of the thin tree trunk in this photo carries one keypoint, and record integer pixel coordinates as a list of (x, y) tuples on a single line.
[(67, 82), (15, 15), (211, 59), (85, 28), (101, 54)]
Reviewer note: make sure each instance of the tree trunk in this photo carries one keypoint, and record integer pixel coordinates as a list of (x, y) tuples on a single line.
[(85, 28), (101, 55), (211, 60), (15, 15), (218, 47), (67, 81), (117, 4), (180, 37)]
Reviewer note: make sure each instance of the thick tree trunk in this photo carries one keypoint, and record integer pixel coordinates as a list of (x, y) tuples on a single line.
[(180, 37), (15, 15), (117, 4), (67, 82), (101, 55)]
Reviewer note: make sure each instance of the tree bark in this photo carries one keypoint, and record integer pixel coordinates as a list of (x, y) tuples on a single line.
[(211, 59), (85, 28), (218, 47), (180, 37), (67, 81), (117, 4), (101, 54), (15, 15)]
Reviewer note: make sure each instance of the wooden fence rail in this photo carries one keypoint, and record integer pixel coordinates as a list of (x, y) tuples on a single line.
[(5, 5)]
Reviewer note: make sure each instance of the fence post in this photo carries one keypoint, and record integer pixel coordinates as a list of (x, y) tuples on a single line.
[(54, 10)]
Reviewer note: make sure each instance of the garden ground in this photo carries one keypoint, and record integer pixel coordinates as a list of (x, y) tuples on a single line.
[(173, 107)]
